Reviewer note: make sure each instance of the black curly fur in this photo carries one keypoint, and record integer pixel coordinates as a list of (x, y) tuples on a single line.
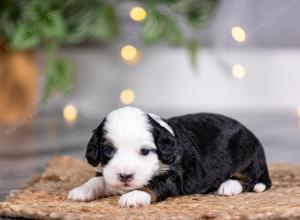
[(207, 150)]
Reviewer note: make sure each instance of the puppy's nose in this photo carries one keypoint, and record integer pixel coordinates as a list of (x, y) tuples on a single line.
[(123, 177)]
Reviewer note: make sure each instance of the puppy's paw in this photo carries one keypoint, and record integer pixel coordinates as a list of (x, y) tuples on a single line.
[(89, 191), (259, 187), (83, 194), (134, 198), (230, 188)]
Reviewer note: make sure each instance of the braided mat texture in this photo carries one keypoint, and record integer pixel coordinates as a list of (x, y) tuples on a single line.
[(45, 198)]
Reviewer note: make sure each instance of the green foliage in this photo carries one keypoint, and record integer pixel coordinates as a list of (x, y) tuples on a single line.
[(197, 12), (53, 27), (104, 27), (59, 77), (165, 19), (24, 38), (26, 24), (158, 26)]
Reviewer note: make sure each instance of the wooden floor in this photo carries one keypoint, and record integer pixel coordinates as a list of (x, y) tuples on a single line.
[(25, 151)]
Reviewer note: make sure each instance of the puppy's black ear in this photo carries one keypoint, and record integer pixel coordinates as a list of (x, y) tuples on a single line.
[(93, 148), (165, 142)]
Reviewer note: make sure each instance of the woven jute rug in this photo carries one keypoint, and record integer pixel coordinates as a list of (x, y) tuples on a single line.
[(45, 198)]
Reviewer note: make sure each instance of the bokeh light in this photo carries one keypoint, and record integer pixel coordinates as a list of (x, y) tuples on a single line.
[(129, 52), (137, 14), (70, 113), (127, 96), (238, 34), (238, 71)]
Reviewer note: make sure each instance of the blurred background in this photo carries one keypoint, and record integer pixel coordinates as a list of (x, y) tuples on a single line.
[(65, 64)]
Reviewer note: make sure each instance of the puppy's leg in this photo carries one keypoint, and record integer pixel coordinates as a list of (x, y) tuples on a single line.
[(258, 179), (230, 188), (91, 190), (248, 180), (135, 198), (255, 177), (264, 182)]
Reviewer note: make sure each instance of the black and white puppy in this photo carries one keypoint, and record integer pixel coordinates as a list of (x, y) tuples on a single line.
[(146, 159)]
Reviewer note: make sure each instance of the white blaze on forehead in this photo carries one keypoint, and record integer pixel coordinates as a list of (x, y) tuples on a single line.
[(127, 127)]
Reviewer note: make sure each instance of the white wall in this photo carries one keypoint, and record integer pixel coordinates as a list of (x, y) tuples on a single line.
[(164, 80)]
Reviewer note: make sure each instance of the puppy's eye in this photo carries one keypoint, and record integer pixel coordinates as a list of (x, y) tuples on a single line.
[(145, 151), (108, 150)]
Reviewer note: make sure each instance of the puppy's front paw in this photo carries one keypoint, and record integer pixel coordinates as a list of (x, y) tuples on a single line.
[(134, 198), (230, 188), (89, 191), (83, 194)]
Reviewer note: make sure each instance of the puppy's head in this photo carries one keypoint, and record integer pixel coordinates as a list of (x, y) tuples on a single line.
[(130, 147)]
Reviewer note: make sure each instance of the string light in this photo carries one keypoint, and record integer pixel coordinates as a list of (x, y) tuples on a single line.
[(238, 71), (127, 96), (129, 53), (70, 113), (238, 34), (137, 14)]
